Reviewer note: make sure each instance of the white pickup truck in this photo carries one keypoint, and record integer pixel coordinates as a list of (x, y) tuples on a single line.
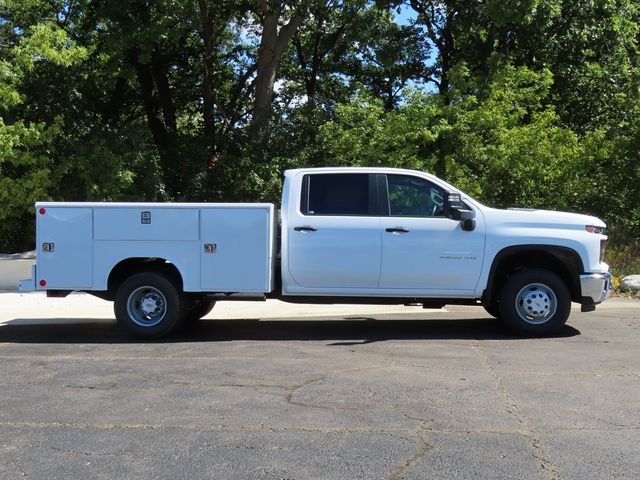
[(345, 235)]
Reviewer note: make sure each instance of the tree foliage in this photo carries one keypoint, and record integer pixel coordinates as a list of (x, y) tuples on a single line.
[(519, 102)]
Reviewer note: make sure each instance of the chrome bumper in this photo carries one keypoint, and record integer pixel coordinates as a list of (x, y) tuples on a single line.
[(596, 286)]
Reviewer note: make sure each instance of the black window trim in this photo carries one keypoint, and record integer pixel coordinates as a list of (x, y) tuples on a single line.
[(383, 195), (378, 196), (373, 206), (386, 207), (304, 195)]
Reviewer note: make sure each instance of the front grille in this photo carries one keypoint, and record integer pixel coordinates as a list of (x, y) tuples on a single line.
[(603, 244)]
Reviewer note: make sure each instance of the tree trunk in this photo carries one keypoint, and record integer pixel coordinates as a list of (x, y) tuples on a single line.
[(446, 54), (272, 45), (209, 39), (111, 110), (439, 20), (161, 118)]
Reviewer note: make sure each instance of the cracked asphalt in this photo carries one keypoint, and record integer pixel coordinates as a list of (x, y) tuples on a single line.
[(274, 391)]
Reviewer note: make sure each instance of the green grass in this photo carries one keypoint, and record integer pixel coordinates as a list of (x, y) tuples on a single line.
[(623, 260)]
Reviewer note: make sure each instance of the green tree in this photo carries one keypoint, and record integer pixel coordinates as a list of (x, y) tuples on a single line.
[(530, 102), (25, 168), (501, 146)]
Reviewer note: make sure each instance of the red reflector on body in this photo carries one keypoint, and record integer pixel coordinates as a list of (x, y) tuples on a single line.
[(43, 283), (42, 211)]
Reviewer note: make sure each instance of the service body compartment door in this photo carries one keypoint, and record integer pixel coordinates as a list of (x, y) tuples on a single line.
[(236, 249), (64, 248), (146, 223)]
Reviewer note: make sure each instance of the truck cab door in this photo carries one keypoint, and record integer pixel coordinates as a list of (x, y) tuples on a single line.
[(423, 250), (333, 235)]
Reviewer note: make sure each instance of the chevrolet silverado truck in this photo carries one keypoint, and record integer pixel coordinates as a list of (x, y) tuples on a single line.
[(343, 235)]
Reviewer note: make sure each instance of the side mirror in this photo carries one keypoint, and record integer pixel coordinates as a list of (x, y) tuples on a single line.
[(469, 225), (462, 214), (451, 202), (456, 210)]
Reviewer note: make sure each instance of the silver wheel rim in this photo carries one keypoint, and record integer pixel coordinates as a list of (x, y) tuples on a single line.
[(146, 306), (536, 303)]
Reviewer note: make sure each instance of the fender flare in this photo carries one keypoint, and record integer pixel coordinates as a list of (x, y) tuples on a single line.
[(567, 257)]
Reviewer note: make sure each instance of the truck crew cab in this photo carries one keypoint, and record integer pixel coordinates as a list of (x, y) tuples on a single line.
[(345, 235)]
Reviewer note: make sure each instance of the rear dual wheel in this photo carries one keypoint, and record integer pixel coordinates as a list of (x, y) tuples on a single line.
[(150, 305), (200, 308)]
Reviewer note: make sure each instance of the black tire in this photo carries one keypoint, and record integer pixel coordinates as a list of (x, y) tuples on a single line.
[(493, 310), (535, 302), (149, 305), (201, 307)]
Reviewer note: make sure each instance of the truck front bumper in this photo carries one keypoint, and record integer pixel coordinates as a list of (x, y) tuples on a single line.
[(595, 287)]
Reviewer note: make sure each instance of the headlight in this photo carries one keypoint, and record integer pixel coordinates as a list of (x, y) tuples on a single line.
[(594, 229)]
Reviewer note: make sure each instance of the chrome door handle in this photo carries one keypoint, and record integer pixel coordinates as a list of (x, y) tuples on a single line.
[(397, 230)]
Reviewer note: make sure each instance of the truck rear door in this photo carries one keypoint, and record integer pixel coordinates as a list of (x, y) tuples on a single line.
[(334, 236)]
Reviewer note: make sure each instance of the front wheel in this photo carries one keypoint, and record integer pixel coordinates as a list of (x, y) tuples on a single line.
[(492, 309), (149, 305), (535, 302)]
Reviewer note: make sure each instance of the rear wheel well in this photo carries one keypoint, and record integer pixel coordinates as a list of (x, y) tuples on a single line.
[(564, 262), (130, 266)]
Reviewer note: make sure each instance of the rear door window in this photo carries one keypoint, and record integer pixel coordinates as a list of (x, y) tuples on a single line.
[(336, 194)]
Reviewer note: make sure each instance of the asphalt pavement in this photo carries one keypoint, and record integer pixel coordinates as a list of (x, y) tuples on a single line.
[(276, 391)]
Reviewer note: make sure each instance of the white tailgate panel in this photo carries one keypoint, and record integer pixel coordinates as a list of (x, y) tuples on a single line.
[(241, 261), (69, 266), (144, 223)]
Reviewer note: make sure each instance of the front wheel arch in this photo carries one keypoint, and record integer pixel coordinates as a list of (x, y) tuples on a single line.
[(565, 262)]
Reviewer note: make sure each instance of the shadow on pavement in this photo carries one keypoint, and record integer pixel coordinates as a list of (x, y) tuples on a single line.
[(350, 331)]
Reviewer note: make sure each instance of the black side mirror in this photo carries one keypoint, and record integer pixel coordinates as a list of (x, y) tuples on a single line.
[(462, 214), (469, 225), (451, 202), (455, 209)]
